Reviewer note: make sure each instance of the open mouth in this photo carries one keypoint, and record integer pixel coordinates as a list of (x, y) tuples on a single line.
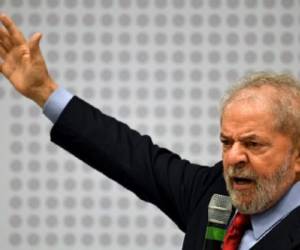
[(241, 182)]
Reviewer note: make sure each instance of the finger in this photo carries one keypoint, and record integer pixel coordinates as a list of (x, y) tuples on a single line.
[(3, 46), (4, 39), (34, 43), (15, 34), (2, 53)]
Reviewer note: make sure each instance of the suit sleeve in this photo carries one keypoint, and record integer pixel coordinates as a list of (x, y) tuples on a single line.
[(153, 173)]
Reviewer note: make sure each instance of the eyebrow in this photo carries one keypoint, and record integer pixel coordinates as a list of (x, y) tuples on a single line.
[(243, 138)]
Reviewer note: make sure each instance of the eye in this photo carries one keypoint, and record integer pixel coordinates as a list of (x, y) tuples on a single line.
[(226, 142), (252, 144)]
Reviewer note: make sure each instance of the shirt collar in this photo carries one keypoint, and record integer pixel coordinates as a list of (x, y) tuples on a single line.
[(264, 222)]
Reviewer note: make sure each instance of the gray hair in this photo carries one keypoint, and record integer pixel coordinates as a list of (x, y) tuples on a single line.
[(285, 102)]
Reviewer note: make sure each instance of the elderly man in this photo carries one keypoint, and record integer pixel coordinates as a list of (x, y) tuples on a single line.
[(261, 159)]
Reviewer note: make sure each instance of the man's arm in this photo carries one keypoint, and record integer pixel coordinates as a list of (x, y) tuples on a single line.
[(153, 173)]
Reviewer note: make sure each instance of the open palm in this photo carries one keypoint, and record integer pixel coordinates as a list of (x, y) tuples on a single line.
[(22, 62)]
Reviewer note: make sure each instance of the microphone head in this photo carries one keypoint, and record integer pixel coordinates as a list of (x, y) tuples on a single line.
[(219, 209)]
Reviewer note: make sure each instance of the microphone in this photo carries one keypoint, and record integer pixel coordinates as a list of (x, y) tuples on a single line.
[(219, 210)]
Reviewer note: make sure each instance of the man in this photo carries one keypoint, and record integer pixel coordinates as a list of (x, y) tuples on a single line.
[(259, 131)]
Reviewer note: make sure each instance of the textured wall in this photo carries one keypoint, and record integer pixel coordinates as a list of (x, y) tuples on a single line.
[(159, 65)]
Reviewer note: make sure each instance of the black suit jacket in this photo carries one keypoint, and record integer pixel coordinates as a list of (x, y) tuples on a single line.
[(182, 190)]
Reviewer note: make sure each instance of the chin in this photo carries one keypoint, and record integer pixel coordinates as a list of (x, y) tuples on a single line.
[(248, 204)]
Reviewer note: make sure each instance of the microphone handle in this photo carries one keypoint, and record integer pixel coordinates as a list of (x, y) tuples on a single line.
[(214, 236), (212, 245)]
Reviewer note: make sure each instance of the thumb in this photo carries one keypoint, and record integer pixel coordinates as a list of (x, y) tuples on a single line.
[(34, 43)]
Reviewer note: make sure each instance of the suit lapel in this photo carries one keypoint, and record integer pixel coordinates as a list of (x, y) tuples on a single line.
[(284, 236)]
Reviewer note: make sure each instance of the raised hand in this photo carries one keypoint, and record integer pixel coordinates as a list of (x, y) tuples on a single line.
[(22, 63)]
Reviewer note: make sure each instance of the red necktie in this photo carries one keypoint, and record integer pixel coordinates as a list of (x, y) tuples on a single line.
[(236, 231)]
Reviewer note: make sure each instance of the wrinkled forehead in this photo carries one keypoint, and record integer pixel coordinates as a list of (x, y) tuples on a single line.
[(264, 92), (247, 115), (261, 99)]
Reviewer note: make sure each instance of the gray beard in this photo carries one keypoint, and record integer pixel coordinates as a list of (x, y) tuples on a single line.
[(265, 191)]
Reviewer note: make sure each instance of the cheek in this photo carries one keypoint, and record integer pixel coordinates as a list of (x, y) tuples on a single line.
[(266, 166), (225, 166), (225, 159), (262, 169)]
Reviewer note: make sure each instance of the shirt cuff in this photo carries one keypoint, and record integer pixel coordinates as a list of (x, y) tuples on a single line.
[(56, 103)]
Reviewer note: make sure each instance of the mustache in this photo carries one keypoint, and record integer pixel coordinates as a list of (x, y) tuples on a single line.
[(241, 172)]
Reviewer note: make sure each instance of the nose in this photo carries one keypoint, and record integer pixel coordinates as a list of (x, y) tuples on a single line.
[(236, 155)]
